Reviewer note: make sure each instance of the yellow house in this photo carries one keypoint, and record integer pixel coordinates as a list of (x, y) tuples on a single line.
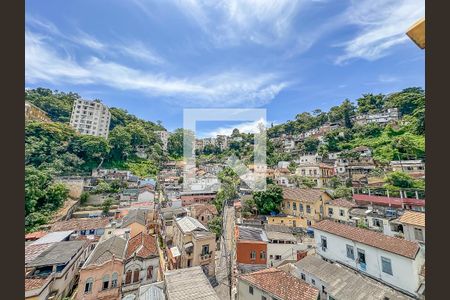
[(338, 209), (307, 204), (285, 220)]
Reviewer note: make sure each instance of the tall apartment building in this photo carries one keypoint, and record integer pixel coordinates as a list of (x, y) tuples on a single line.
[(90, 117)]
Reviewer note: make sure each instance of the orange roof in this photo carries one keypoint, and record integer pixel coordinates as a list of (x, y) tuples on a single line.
[(144, 245), (281, 284), (413, 218), (35, 283), (35, 235), (372, 238), (80, 224)]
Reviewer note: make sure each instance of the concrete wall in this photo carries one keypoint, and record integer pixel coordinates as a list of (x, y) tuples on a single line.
[(75, 186), (287, 252), (408, 230), (244, 249), (243, 292)]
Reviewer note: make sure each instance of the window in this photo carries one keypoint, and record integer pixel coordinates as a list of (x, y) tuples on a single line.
[(277, 257), (288, 205), (324, 289), (323, 243), (136, 275), (128, 277), (376, 222), (303, 276), (294, 206), (300, 206), (88, 285), (253, 255), (350, 252), (308, 209), (114, 280), (205, 249), (83, 232), (330, 211), (418, 234), (341, 212), (386, 265), (92, 231), (250, 290), (150, 272), (105, 281), (262, 255), (313, 282)]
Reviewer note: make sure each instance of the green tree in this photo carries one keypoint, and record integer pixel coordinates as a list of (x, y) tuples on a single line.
[(215, 226), (269, 200), (302, 181), (106, 206), (310, 144), (175, 143), (370, 103)]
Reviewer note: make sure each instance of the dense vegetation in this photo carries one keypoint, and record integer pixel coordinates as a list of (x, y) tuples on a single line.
[(55, 149)]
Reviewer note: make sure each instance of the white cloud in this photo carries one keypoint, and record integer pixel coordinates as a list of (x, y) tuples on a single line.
[(230, 22), (43, 62), (247, 127), (382, 25), (139, 51)]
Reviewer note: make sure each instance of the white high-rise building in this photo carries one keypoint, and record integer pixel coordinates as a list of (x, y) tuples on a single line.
[(90, 117)]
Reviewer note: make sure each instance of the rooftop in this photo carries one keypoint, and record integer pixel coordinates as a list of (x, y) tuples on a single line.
[(371, 238), (308, 195), (53, 237), (342, 202), (189, 224), (281, 284), (282, 236), (104, 251), (138, 215), (80, 224), (387, 201), (33, 251), (252, 234), (189, 284), (343, 283), (144, 245), (413, 218), (57, 253), (35, 283)]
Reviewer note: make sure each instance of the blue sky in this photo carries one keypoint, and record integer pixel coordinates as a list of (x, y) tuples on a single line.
[(154, 58)]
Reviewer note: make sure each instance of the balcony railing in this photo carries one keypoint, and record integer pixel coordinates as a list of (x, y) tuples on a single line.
[(205, 256)]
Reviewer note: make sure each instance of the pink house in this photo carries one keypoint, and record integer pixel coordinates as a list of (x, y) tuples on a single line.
[(101, 275)]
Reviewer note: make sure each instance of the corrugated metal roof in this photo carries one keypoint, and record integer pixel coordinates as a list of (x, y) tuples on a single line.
[(153, 291), (189, 284), (53, 237)]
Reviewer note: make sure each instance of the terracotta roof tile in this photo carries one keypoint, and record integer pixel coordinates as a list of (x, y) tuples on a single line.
[(308, 195), (413, 218), (281, 284), (342, 202), (375, 239), (80, 224), (143, 244), (35, 283)]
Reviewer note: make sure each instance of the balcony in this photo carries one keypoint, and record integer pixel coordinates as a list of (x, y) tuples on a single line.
[(205, 256)]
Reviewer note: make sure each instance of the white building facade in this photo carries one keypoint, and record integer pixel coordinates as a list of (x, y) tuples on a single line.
[(90, 117), (399, 269)]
